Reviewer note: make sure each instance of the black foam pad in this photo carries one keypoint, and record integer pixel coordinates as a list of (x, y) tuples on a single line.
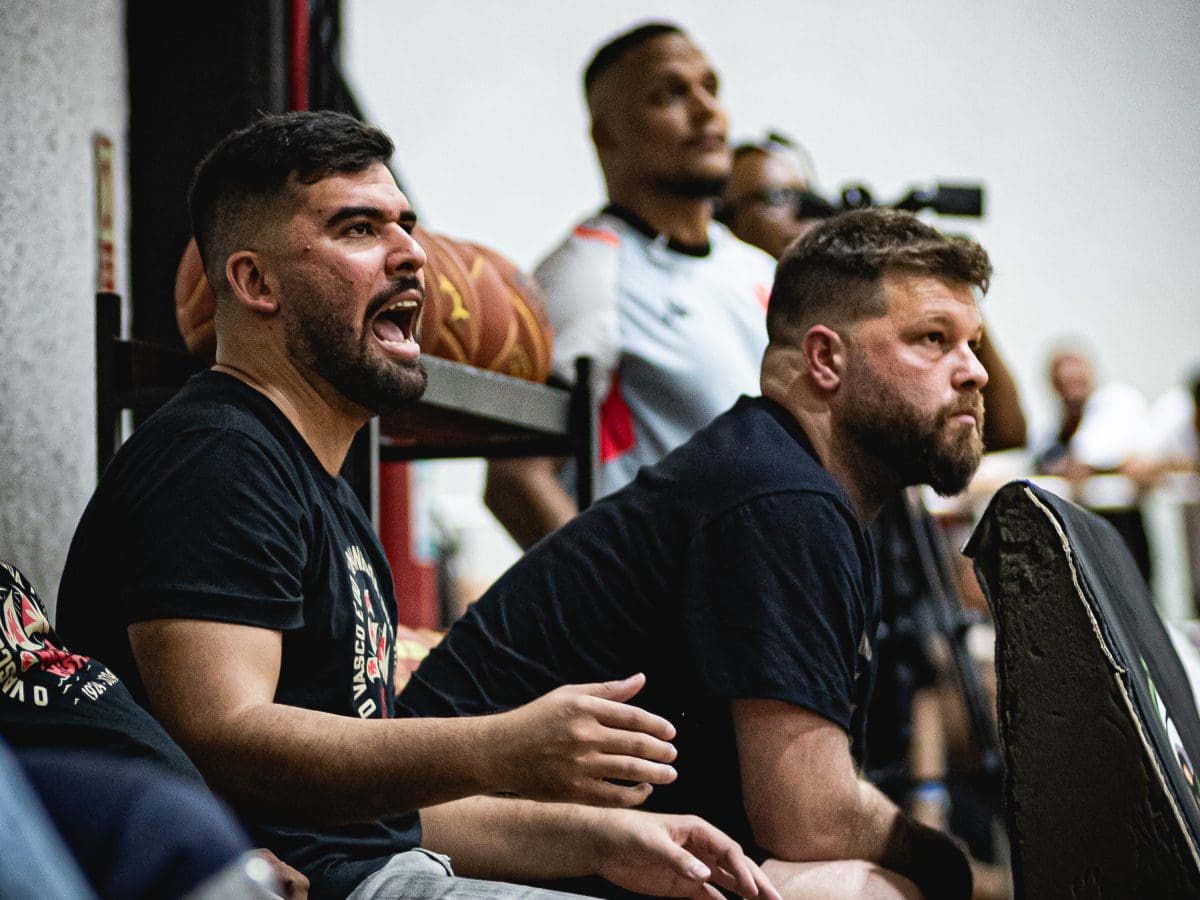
[(1097, 718)]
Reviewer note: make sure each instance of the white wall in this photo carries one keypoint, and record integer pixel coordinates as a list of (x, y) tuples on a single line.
[(1081, 120), (62, 78)]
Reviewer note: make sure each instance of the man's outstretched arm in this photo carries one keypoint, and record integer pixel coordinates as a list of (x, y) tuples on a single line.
[(212, 685), (648, 853), (525, 497), (805, 801)]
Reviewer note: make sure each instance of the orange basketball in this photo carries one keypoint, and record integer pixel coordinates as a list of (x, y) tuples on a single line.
[(449, 325), (195, 305), (482, 310), (517, 337)]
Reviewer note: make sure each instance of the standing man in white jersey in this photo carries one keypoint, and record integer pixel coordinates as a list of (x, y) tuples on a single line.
[(668, 304)]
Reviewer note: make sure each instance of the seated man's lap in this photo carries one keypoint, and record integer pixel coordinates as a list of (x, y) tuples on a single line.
[(424, 875)]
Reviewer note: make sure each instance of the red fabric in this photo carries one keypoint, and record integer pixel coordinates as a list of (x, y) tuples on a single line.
[(616, 423), (598, 234), (763, 293), (298, 62)]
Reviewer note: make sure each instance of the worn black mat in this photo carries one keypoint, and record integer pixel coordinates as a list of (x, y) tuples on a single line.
[(1097, 718)]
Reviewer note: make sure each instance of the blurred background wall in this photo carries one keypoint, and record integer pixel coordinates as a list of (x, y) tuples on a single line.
[(1079, 120)]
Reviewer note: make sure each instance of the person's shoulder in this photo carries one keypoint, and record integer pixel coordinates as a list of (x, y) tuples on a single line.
[(598, 233), (213, 421), (581, 271), (755, 449), (728, 245)]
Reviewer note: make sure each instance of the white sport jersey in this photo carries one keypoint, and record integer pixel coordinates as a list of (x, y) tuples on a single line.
[(676, 334)]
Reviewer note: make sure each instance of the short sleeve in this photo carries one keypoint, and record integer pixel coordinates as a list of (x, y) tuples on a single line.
[(776, 604), (579, 281), (218, 534)]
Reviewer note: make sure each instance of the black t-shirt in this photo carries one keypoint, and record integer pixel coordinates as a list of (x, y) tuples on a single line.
[(53, 699), (216, 508), (734, 568)]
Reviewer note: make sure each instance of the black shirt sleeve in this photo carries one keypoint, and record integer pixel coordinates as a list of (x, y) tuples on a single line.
[(775, 604), (216, 535)]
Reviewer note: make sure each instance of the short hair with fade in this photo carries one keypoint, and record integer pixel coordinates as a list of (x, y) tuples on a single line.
[(832, 275), (614, 50), (242, 178)]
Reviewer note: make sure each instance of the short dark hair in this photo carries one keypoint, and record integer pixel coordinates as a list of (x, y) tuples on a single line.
[(249, 168), (833, 273), (612, 52)]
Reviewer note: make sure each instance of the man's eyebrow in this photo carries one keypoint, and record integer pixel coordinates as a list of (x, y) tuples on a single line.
[(406, 218), (353, 212)]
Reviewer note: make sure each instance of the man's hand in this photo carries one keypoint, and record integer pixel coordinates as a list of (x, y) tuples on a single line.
[(565, 745), (673, 856), (292, 882)]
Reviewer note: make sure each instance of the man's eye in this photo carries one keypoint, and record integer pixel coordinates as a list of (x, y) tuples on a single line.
[(359, 229), (668, 93), (935, 338)]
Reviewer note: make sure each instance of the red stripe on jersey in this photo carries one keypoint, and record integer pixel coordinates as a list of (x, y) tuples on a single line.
[(763, 293), (616, 423), (598, 234)]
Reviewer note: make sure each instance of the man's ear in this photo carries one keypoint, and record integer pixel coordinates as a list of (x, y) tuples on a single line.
[(251, 285), (825, 354)]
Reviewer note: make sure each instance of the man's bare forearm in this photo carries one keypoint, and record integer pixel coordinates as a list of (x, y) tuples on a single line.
[(508, 839), (525, 497), (647, 853), (324, 768), (212, 685)]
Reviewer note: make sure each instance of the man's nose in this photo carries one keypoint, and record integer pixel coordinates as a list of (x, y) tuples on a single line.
[(970, 375), (705, 105), (404, 253)]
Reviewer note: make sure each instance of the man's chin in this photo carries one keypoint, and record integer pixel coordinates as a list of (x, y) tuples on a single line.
[(696, 187), (405, 390)]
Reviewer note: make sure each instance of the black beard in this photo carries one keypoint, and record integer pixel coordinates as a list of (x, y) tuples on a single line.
[(917, 447), (693, 187), (318, 339)]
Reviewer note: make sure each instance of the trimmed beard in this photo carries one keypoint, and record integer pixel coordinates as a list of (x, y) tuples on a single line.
[(919, 447), (321, 340)]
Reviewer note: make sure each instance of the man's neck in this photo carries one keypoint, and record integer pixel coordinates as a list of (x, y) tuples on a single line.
[(860, 475), (324, 419), (683, 220)]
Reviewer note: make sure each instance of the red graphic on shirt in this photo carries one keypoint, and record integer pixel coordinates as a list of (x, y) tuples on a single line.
[(377, 662), (603, 235), (616, 423), (762, 293), (23, 628)]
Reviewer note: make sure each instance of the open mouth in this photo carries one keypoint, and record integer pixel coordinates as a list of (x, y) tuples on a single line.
[(396, 323)]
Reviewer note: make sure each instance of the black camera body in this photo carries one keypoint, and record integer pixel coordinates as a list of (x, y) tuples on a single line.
[(943, 199)]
